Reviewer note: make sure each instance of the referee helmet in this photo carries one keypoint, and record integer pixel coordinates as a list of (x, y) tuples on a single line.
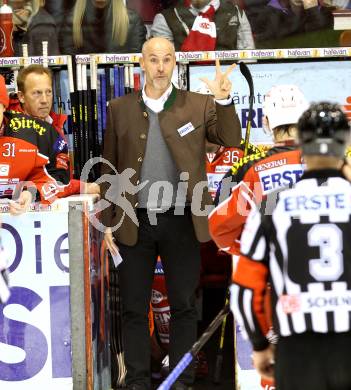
[(324, 130)]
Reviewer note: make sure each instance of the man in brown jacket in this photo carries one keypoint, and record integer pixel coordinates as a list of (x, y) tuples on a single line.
[(157, 200)]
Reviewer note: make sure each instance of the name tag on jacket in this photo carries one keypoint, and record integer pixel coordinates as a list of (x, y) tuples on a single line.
[(186, 129)]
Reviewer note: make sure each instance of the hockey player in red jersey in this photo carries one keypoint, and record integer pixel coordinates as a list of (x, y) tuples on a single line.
[(255, 176), (303, 248), (215, 264), (24, 143), (35, 99), (220, 159)]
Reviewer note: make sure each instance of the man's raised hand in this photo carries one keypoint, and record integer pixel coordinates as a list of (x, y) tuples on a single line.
[(221, 86)]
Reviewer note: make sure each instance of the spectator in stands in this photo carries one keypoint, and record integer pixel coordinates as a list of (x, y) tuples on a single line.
[(314, 14), (22, 11), (340, 4), (227, 29), (280, 18), (58, 9), (32, 25), (101, 26)]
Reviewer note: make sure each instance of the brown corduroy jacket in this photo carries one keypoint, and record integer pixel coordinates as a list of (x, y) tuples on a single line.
[(125, 143)]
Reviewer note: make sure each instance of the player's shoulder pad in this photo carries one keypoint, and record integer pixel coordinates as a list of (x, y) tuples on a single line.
[(250, 147)]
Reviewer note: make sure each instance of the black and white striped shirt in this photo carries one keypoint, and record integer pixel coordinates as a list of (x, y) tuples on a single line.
[(304, 250)]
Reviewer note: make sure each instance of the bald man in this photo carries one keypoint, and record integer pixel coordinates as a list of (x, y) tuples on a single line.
[(158, 198)]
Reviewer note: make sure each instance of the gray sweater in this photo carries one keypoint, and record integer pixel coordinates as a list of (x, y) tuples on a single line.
[(160, 170)]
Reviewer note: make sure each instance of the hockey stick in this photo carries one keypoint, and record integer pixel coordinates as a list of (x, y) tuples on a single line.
[(131, 78), (85, 116), (119, 335), (126, 79), (107, 71), (57, 86), (94, 115), (121, 80), (25, 54), (103, 101), (45, 54), (219, 356), (80, 112), (113, 326), (247, 74), (115, 80), (74, 117), (189, 356), (183, 76)]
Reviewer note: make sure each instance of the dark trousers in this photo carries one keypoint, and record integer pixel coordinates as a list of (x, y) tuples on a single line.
[(313, 361), (173, 239)]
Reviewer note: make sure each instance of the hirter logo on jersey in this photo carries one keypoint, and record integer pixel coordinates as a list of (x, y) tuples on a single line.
[(22, 123), (284, 176)]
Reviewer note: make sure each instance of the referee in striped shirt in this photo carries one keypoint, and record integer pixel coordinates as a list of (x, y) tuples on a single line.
[(303, 249)]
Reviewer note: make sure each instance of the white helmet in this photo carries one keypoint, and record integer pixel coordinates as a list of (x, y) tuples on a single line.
[(283, 105)]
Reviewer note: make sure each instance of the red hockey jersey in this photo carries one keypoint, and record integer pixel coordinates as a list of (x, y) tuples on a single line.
[(58, 122), (32, 151), (219, 163), (250, 180)]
